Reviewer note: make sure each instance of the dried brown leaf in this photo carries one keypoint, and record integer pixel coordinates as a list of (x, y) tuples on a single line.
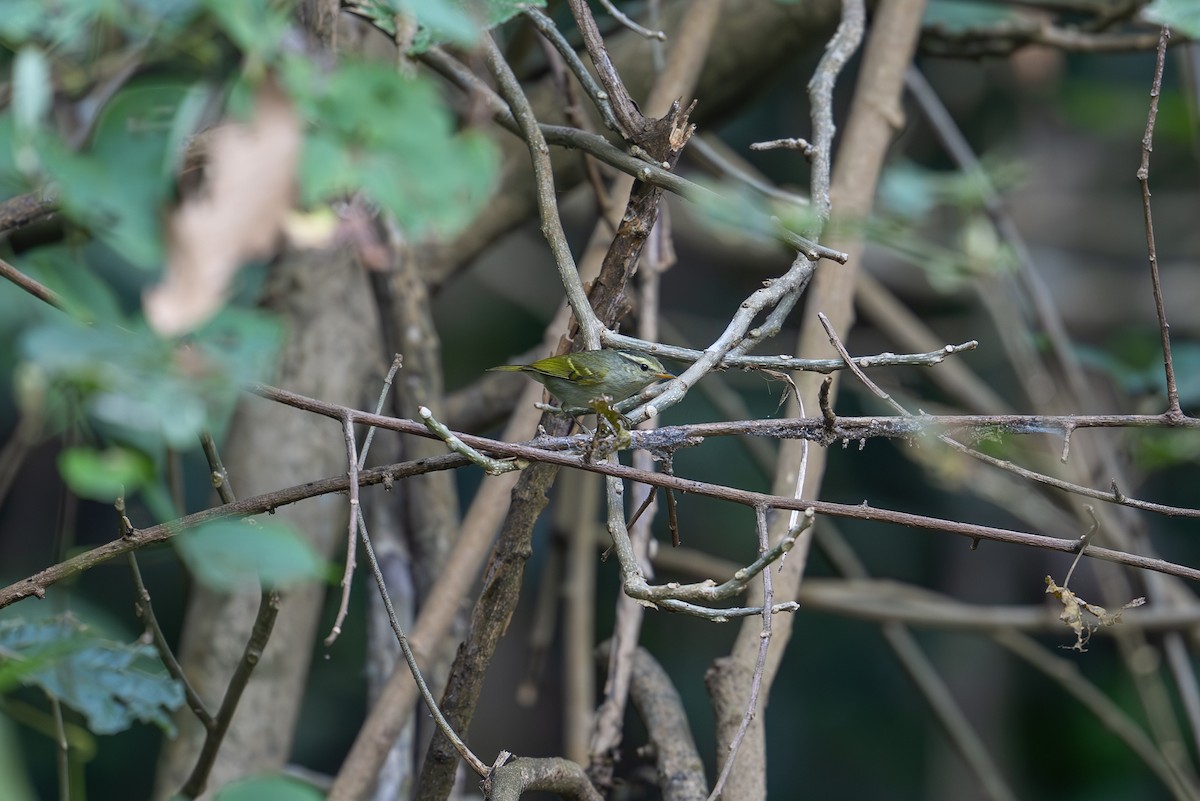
[(1074, 608), (236, 216)]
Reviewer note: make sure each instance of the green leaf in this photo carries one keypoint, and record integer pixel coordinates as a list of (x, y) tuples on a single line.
[(273, 788), (112, 684), (255, 26), (736, 213), (65, 269), (1166, 449), (27, 647), (144, 388), (119, 186), (103, 475), (1117, 111), (393, 138), (75, 26), (1132, 359), (954, 16), (908, 191), (230, 555), (1179, 15), (440, 21), (22, 18)]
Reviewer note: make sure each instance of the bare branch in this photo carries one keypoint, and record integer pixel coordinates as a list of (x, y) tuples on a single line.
[(352, 533), (657, 701), (444, 726), (510, 781), (33, 287), (552, 228), (764, 544), (1143, 175), (816, 428)]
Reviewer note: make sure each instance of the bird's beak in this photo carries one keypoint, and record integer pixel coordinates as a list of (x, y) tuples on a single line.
[(664, 376)]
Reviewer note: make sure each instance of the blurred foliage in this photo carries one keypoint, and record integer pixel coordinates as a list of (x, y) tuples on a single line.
[(736, 213), (107, 106), (393, 140), (229, 555), (1181, 15), (112, 684), (100, 370), (14, 779), (458, 22), (958, 16), (911, 195), (103, 475), (1119, 113), (107, 99), (269, 789)]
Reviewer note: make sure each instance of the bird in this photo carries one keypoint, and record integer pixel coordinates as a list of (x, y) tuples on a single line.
[(580, 379)]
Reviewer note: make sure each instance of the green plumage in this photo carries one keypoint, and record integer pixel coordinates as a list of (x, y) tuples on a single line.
[(578, 379)]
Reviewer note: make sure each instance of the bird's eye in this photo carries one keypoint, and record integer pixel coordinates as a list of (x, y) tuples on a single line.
[(645, 367)]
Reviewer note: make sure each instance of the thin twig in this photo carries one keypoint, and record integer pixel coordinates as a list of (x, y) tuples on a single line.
[(785, 362), (216, 468), (1083, 542), (464, 751), (815, 428), (36, 584), (764, 543), (1112, 496), (841, 47), (145, 611), (575, 116), (714, 154), (269, 603), (539, 153), (622, 18), (264, 622), (1004, 38), (397, 363), (555, 37), (794, 526), (629, 118), (608, 722), (596, 145), (1143, 176), (30, 285), (806, 148), (1039, 297), (352, 534), (493, 467), (887, 600)]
